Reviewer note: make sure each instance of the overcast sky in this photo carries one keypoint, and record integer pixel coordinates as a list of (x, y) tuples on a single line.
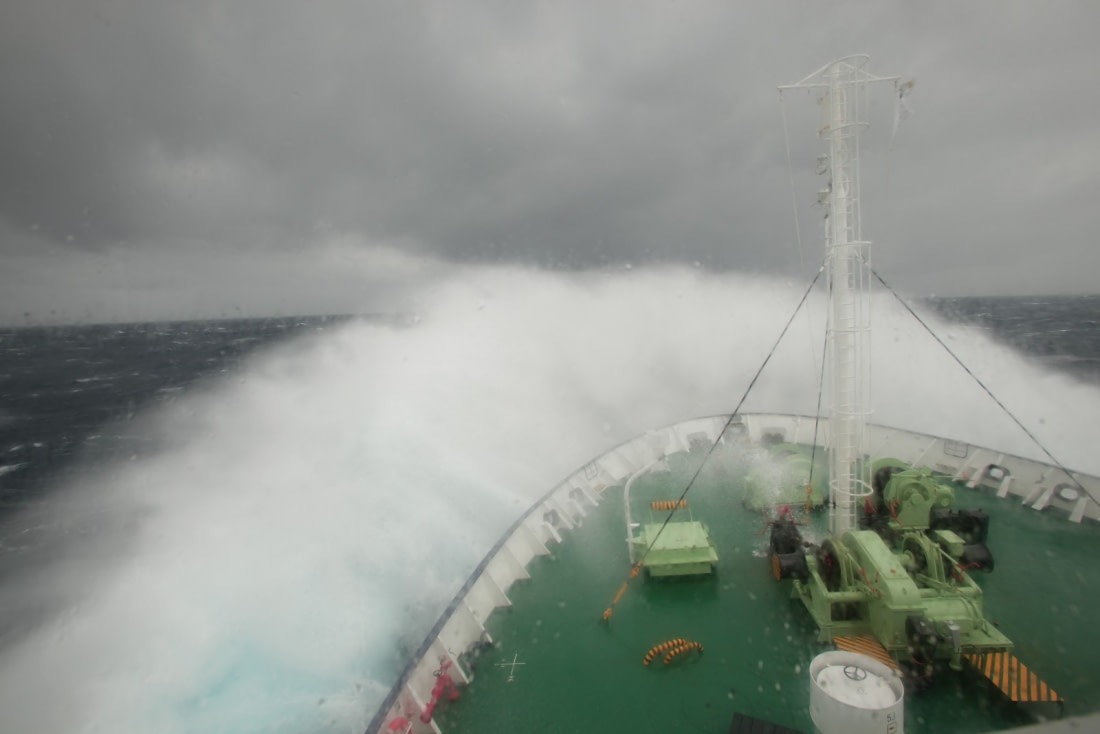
[(185, 159)]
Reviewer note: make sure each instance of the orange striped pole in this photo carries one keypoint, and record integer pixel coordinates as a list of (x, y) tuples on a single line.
[(622, 590)]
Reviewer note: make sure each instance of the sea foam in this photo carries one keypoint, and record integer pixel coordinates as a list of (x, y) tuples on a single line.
[(272, 566)]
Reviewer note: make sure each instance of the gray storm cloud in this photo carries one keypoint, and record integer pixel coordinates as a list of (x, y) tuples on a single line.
[(200, 138)]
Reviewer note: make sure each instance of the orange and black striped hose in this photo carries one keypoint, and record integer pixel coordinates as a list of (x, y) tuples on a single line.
[(688, 647)]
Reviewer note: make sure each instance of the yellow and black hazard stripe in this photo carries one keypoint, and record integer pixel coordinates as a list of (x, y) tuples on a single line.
[(1012, 677), (869, 646)]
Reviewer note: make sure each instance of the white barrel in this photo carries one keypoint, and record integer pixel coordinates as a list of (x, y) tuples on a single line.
[(854, 694)]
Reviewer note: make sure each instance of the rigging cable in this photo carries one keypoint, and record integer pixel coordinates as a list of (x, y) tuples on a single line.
[(790, 178), (988, 392), (901, 111), (638, 566), (820, 392), (794, 195)]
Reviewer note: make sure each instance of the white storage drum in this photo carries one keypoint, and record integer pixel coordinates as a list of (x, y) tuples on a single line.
[(854, 694)]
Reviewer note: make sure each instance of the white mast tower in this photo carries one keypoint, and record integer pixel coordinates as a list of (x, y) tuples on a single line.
[(842, 86)]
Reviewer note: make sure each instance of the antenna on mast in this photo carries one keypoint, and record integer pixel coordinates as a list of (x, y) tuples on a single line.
[(842, 86)]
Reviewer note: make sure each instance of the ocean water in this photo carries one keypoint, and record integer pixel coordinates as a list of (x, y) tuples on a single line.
[(1060, 332), (247, 525)]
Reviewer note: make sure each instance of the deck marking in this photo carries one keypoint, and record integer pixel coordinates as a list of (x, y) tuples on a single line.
[(1014, 678), (869, 646), (512, 665)]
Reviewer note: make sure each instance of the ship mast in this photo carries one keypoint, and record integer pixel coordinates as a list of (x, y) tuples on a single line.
[(842, 89)]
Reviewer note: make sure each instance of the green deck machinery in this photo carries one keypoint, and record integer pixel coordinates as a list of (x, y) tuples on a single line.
[(903, 577)]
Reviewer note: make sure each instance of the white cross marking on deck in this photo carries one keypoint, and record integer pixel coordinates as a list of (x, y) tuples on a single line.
[(512, 665)]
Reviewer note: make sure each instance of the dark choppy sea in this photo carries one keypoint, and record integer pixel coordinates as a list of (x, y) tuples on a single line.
[(1061, 332), (68, 393)]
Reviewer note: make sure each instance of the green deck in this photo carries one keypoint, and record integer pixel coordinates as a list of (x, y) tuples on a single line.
[(577, 673)]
